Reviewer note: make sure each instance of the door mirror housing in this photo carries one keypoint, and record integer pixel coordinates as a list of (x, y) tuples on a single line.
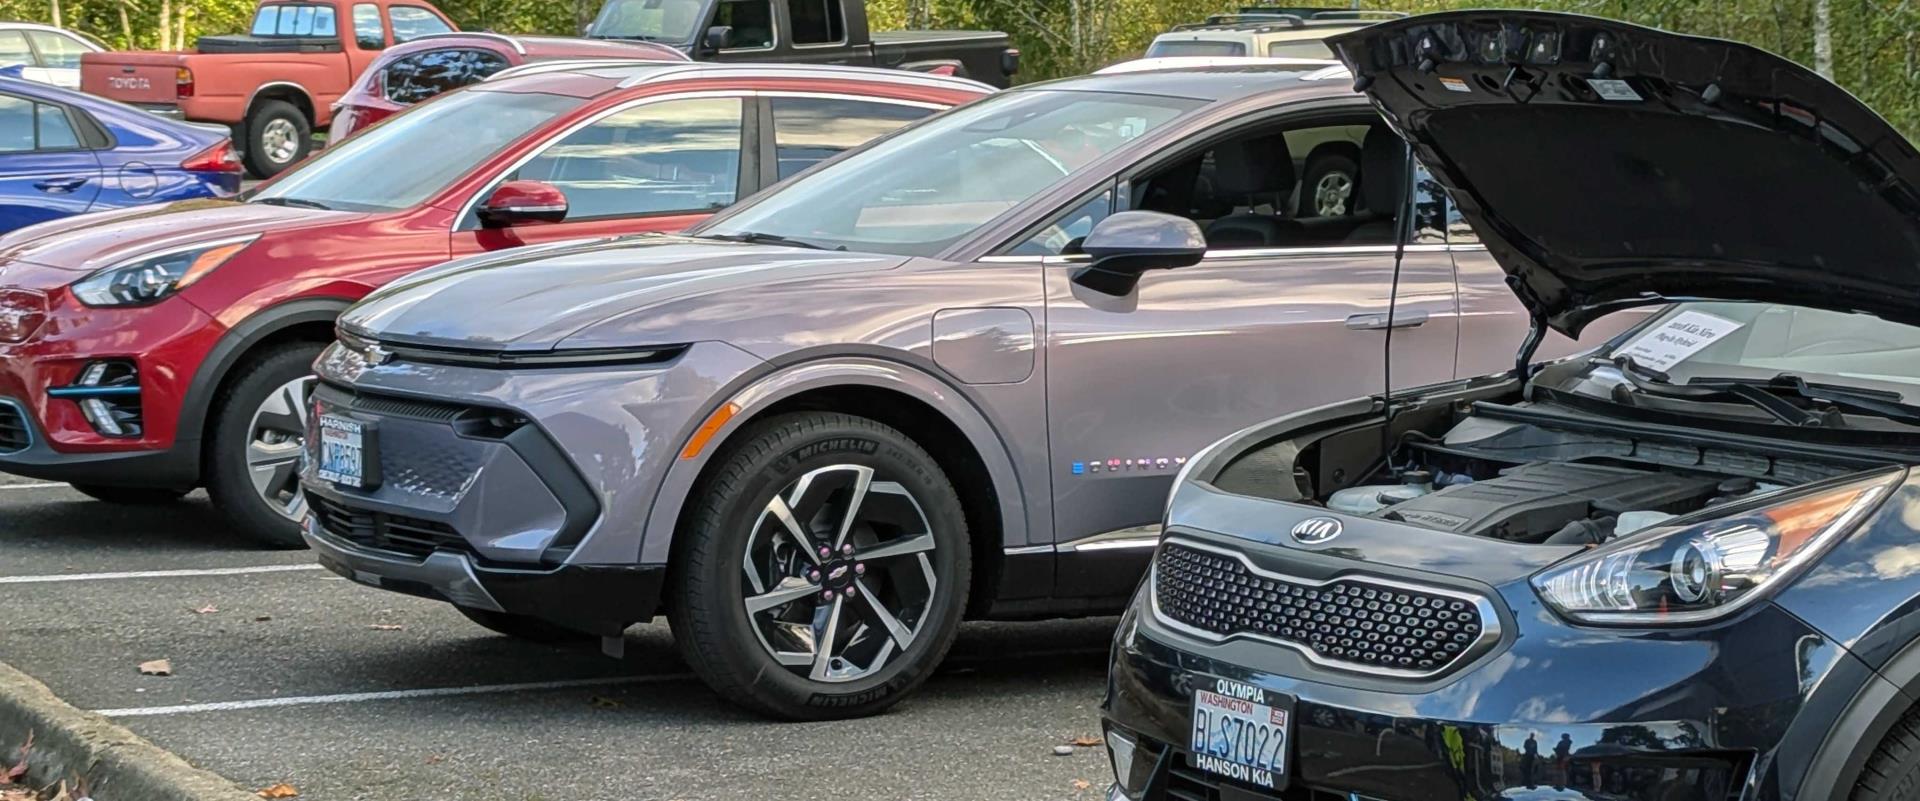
[(719, 37), (522, 202), (1129, 243)]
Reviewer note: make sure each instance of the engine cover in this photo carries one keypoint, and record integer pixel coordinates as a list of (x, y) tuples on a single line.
[(1530, 502)]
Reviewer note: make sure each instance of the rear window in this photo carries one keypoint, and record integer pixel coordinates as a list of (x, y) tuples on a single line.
[(294, 20), (413, 22), (422, 75), (1196, 47), (1306, 48)]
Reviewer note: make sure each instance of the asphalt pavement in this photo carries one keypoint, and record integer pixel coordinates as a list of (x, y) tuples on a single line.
[(284, 673)]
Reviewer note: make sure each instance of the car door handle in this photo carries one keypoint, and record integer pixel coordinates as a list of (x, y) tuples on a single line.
[(1377, 321), (60, 186)]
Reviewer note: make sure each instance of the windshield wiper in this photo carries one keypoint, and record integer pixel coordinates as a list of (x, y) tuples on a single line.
[(1771, 395), (758, 238), (295, 202), (1650, 381), (1854, 400)]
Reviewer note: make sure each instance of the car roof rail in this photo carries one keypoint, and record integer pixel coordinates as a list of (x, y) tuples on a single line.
[(1359, 14), (569, 65), (497, 37)]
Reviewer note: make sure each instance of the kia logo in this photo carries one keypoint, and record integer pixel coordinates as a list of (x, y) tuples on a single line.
[(1316, 530)]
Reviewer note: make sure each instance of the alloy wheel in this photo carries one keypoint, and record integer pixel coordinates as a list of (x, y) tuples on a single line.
[(839, 573), (282, 140), (276, 444), (1332, 193)]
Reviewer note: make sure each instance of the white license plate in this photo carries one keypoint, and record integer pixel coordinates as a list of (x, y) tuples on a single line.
[(343, 451), (1240, 731)]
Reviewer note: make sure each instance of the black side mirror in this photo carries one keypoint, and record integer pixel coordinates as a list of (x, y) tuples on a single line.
[(719, 37), (1129, 243)]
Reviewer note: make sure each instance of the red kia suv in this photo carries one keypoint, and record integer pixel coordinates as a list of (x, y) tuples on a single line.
[(149, 351)]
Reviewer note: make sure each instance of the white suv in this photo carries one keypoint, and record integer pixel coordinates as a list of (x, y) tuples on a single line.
[(1275, 33)]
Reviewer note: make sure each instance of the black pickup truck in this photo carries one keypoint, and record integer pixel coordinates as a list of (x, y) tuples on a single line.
[(806, 32)]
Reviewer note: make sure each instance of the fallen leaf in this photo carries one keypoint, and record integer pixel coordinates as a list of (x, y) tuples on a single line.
[(435, 759), (1085, 741), (386, 627), (206, 610), (157, 667), (1081, 784), (17, 795), (604, 702), (262, 618), (281, 790), (14, 773)]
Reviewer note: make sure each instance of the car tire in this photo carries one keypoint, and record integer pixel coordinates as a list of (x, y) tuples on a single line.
[(129, 496), (1330, 177), (1892, 773), (900, 576), (278, 136), (253, 456), (523, 627)]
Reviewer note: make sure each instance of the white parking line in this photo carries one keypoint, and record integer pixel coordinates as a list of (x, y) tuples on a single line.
[(135, 574), (4, 487), (386, 695)]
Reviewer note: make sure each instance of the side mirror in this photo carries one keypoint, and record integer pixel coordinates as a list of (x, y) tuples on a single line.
[(719, 37), (1129, 243), (519, 202)]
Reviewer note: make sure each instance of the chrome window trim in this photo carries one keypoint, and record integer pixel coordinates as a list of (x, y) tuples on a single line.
[(699, 70), (1243, 254), (1490, 629)]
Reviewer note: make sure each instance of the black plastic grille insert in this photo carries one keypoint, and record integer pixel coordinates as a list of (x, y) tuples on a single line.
[(13, 429), (384, 532), (1352, 621)]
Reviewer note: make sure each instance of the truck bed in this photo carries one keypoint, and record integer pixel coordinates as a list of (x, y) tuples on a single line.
[(241, 43)]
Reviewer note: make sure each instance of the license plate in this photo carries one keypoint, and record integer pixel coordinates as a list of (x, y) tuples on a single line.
[(1241, 732), (344, 452)]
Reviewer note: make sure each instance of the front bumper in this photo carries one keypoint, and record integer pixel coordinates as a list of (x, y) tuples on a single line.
[(1735, 710)]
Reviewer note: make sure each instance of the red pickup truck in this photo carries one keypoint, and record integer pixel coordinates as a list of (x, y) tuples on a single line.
[(277, 83)]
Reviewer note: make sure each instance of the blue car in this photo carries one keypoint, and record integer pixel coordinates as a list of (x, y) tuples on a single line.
[(64, 153)]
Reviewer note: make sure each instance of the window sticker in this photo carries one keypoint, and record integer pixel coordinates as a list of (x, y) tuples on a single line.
[(1671, 342)]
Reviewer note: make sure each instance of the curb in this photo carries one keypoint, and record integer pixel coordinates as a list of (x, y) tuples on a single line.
[(116, 764)]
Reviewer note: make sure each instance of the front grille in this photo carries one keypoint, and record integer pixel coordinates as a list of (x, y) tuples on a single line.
[(14, 434), (1188, 783), (380, 531), (1356, 623)]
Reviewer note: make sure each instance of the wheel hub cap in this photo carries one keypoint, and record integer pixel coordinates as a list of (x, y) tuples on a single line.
[(276, 444)]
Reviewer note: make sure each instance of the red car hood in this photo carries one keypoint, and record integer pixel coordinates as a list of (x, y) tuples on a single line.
[(50, 254)]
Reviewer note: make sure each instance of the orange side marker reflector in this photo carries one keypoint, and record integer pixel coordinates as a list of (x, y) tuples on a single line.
[(708, 429)]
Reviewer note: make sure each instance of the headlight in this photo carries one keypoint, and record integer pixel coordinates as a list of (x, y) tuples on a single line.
[(1698, 572), (153, 277)]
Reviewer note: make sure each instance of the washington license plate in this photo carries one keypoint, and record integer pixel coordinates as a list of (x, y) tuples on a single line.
[(1241, 732), (343, 451)]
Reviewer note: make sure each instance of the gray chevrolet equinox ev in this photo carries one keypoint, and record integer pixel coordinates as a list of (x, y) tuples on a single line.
[(949, 375)]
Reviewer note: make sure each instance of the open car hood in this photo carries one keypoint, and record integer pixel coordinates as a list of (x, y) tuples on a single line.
[(1606, 164)]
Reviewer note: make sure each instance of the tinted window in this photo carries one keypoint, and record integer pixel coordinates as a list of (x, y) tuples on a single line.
[(404, 160), (369, 33), (677, 155), (817, 22), (671, 21), (14, 50), (16, 125), (57, 50), (926, 187), (1310, 48), (56, 130), (413, 22), (808, 130), (751, 20), (418, 77), (1195, 47)]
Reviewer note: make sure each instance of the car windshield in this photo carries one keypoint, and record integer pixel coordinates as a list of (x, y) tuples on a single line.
[(925, 188), (670, 21), (1709, 340), (406, 159)]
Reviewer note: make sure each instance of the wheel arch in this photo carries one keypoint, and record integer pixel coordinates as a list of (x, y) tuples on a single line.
[(931, 411), (1865, 717), (282, 90), (307, 320)]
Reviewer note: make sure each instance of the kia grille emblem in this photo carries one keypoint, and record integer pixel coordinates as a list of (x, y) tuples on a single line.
[(1316, 530)]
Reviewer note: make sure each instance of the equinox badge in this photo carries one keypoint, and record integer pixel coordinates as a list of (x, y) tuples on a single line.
[(1316, 530)]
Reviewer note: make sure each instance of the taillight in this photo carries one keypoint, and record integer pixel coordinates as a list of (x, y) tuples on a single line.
[(182, 82), (22, 312), (219, 158)]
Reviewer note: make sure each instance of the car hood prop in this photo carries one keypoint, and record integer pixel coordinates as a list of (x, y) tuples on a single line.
[(1608, 165)]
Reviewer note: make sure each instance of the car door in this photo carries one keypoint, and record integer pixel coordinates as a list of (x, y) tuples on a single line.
[(1286, 312), (45, 171), (656, 164), (59, 58)]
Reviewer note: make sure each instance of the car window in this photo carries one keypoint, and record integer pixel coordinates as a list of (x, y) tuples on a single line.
[(921, 190), (1195, 47), (1063, 233), (403, 161), (809, 130), (423, 75), (56, 50), (670, 21), (14, 50), (751, 20), (16, 125), (55, 128), (817, 22), (413, 22), (369, 33), (293, 20), (675, 155), (1305, 48)]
